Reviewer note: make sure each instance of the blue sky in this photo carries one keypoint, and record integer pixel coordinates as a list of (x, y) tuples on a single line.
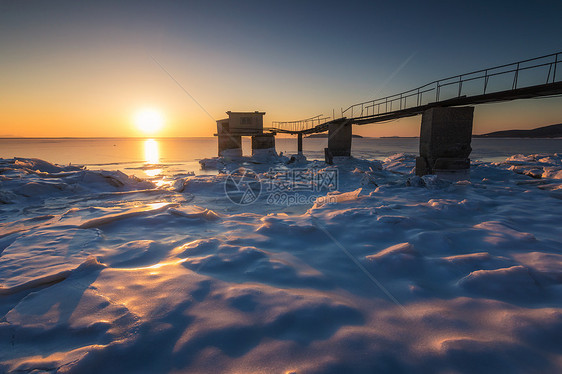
[(83, 68)]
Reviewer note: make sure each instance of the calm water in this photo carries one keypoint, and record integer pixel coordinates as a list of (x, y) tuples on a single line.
[(181, 155)]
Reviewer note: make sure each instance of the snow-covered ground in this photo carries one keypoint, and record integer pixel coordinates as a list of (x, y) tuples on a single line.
[(386, 272)]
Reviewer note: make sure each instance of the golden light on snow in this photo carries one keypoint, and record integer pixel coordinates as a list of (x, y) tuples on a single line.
[(149, 121)]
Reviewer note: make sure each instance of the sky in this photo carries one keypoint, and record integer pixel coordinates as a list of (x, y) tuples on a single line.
[(87, 68)]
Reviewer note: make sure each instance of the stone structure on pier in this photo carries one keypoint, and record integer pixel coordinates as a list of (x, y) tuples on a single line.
[(445, 138), (339, 140), (238, 124)]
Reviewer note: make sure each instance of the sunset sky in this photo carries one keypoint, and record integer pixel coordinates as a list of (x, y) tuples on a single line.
[(87, 68)]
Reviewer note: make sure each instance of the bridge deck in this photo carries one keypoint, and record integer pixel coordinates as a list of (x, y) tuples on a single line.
[(543, 69), (544, 90)]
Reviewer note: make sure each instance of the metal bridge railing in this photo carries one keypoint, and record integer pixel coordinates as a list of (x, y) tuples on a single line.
[(300, 125), (526, 73)]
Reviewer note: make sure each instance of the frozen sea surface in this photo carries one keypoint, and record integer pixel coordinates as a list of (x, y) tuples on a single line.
[(383, 272)]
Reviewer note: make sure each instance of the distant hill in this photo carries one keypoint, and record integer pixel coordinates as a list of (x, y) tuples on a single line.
[(552, 131), (399, 137), (326, 135)]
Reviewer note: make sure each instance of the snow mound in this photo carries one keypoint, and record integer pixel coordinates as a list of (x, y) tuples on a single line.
[(548, 265), (398, 259), (500, 232), (337, 197), (36, 165), (264, 159), (513, 283), (401, 163), (25, 179)]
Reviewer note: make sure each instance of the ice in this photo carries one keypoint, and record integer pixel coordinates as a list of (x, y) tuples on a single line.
[(36, 165), (266, 157), (537, 166), (553, 173), (378, 271), (44, 256), (401, 163), (31, 179), (130, 213), (196, 212), (338, 197)]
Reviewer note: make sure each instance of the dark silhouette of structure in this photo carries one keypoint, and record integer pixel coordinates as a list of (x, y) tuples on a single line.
[(230, 131), (446, 106), (446, 128)]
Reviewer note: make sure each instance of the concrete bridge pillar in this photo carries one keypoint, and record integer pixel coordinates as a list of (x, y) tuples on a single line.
[(299, 143), (230, 145), (263, 144), (339, 140), (445, 138)]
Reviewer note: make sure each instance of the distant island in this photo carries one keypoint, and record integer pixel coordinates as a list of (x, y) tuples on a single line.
[(398, 137), (552, 131), (326, 135)]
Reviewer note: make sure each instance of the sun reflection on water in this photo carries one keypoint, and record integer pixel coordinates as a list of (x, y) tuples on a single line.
[(152, 156)]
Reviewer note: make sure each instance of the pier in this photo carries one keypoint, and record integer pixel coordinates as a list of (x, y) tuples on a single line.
[(446, 107)]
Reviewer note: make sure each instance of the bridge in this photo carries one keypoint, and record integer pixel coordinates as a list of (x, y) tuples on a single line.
[(446, 126)]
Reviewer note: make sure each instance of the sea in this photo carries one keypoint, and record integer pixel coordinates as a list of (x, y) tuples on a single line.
[(151, 157)]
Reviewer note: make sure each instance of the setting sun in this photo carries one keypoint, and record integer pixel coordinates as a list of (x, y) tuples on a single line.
[(149, 121)]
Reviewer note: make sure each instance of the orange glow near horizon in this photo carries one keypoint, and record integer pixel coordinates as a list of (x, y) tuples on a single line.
[(109, 117)]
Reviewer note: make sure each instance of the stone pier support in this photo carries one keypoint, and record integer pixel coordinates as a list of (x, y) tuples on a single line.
[(299, 143), (339, 140), (445, 138), (230, 145), (263, 144)]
